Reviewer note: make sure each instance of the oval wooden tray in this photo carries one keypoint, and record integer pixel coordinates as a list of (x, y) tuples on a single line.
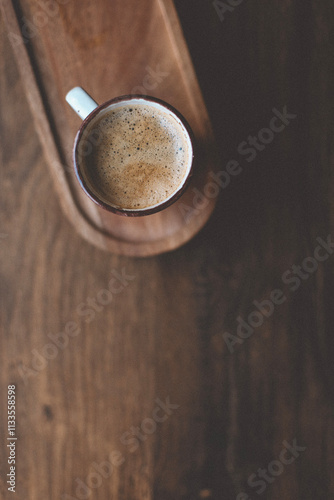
[(110, 49)]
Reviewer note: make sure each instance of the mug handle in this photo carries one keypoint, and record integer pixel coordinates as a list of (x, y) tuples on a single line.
[(81, 102)]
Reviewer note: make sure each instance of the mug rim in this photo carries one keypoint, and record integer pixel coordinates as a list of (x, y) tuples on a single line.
[(123, 211)]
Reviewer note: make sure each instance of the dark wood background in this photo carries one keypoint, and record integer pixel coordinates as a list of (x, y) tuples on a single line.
[(162, 336)]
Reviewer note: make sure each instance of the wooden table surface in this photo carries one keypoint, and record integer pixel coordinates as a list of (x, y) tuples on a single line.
[(159, 389)]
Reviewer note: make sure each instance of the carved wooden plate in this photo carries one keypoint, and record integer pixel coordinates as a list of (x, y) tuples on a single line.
[(111, 49)]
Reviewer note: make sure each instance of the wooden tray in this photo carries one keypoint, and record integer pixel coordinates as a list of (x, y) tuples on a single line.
[(110, 49)]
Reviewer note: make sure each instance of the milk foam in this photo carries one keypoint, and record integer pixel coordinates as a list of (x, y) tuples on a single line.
[(141, 157)]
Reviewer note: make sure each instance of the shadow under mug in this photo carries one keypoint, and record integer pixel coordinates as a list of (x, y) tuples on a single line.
[(91, 112)]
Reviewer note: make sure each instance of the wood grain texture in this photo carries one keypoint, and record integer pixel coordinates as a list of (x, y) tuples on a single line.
[(162, 335), (46, 48)]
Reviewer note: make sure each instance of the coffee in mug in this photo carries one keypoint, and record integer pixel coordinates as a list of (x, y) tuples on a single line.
[(133, 155)]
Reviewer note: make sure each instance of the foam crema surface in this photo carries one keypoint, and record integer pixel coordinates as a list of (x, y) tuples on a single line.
[(135, 154)]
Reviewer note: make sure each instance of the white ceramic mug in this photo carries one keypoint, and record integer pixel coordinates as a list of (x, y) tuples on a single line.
[(91, 113)]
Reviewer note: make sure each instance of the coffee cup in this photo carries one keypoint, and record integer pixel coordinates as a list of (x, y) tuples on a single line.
[(133, 155)]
